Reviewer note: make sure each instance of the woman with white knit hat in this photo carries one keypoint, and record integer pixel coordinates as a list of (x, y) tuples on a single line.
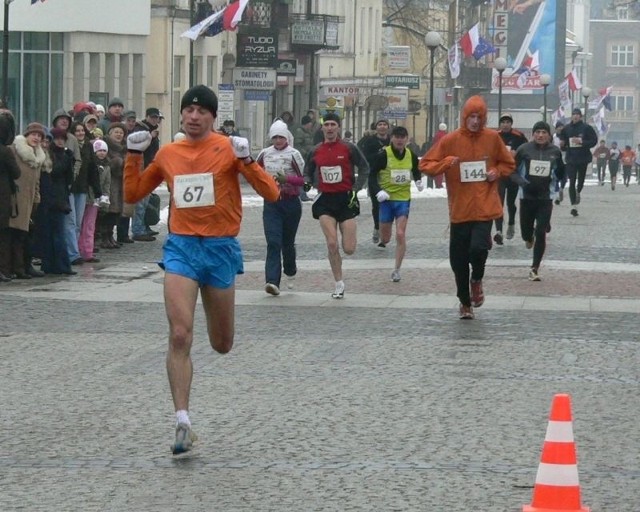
[(281, 218)]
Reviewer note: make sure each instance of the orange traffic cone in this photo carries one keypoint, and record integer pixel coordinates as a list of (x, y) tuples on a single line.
[(557, 488)]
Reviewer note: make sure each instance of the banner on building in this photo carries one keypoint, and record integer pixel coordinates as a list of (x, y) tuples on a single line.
[(522, 32), (259, 49)]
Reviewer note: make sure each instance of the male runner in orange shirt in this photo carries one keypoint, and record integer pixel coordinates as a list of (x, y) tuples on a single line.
[(201, 251)]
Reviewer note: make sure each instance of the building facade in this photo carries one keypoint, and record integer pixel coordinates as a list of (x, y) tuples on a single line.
[(59, 55), (615, 43)]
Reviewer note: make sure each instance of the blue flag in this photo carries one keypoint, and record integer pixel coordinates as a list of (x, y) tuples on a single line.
[(484, 48)]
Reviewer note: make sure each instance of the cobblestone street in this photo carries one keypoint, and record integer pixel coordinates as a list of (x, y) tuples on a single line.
[(384, 401)]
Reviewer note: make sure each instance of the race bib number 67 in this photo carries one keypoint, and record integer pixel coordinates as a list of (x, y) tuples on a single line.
[(193, 190), (473, 171)]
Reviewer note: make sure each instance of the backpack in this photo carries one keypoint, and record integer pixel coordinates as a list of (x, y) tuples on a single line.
[(152, 213)]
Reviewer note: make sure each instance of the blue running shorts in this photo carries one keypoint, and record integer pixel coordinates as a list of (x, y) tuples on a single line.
[(211, 261), (390, 210)]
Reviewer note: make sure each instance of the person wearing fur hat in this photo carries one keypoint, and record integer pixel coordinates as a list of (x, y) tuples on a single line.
[(9, 173), (472, 159), (281, 218), (30, 158), (539, 172), (201, 254), (331, 168)]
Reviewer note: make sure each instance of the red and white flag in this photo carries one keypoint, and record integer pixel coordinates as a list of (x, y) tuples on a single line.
[(225, 19), (574, 82), (233, 14), (469, 41)]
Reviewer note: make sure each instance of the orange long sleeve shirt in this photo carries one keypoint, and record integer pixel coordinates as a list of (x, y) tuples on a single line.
[(186, 166), (470, 200)]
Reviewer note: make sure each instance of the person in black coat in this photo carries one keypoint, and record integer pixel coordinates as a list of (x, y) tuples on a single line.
[(576, 139), (54, 205), (9, 172)]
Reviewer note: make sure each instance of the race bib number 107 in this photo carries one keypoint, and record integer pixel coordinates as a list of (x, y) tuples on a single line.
[(331, 174), (193, 190), (473, 171)]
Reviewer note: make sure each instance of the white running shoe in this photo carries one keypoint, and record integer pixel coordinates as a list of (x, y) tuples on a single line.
[(395, 276), (291, 281), (272, 289), (184, 439), (533, 275), (339, 291), (375, 238)]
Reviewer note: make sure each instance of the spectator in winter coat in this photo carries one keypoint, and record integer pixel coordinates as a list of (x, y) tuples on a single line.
[(9, 173), (30, 158), (55, 206)]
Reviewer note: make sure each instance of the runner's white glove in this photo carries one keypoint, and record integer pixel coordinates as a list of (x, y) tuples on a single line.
[(382, 196), (240, 146), (419, 185), (103, 202), (138, 141)]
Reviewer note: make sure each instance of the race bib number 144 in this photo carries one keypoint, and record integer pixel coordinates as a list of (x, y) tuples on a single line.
[(473, 171)]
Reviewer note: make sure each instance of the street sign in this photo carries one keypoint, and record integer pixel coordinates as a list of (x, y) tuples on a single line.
[(410, 81), (251, 95), (398, 57), (259, 79), (226, 96)]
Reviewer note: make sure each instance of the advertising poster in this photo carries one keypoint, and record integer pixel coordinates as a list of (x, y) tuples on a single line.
[(525, 32)]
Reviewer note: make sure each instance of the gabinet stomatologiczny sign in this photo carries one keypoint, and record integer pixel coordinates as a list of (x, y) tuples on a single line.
[(259, 49)]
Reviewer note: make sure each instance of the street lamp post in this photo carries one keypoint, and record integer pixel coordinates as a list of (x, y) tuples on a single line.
[(586, 92), (5, 54), (433, 40), (192, 17), (500, 64), (545, 80)]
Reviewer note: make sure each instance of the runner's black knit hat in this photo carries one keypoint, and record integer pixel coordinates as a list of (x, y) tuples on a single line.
[(541, 125), (331, 116), (200, 95)]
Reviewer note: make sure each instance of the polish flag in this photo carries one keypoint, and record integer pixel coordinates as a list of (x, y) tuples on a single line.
[(532, 62), (224, 19), (233, 14), (470, 40), (574, 82)]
